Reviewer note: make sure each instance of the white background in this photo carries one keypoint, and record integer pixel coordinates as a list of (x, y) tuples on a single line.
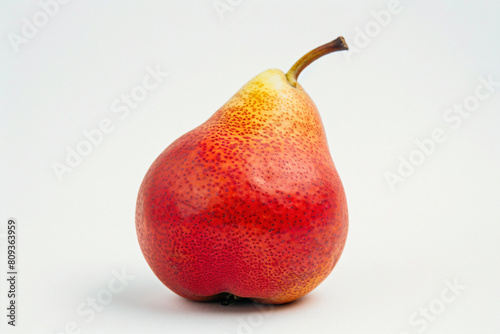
[(405, 245)]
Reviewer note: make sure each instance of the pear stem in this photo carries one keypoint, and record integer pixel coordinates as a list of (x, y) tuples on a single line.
[(337, 44)]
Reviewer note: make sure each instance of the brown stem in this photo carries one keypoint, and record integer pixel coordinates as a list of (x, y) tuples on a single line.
[(337, 44)]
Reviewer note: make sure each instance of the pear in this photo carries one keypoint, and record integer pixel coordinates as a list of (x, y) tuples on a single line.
[(248, 204)]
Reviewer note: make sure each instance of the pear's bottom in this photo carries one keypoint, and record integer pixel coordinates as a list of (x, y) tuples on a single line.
[(265, 268)]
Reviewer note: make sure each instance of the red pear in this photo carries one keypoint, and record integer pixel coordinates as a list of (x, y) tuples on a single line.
[(249, 204)]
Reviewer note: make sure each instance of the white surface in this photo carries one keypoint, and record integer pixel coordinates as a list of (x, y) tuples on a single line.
[(404, 246)]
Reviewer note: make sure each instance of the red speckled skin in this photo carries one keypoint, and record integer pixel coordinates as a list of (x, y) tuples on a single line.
[(248, 203)]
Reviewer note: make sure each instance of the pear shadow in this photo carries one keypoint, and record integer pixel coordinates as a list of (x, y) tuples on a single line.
[(241, 306), (150, 296)]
